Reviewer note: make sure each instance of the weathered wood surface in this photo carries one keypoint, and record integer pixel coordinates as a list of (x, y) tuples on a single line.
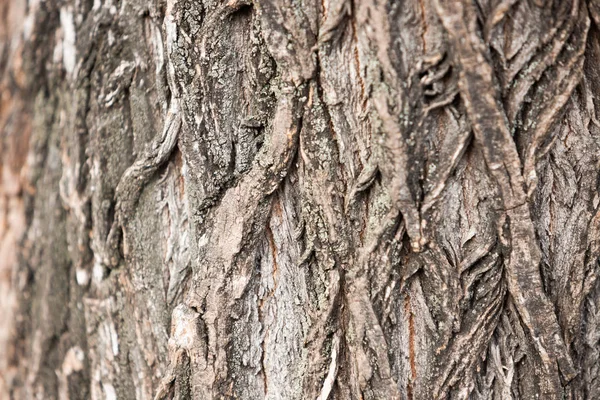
[(277, 199)]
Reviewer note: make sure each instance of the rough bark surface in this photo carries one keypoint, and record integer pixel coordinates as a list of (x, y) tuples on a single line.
[(299, 199)]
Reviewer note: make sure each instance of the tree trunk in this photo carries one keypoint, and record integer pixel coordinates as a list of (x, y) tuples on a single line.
[(285, 199)]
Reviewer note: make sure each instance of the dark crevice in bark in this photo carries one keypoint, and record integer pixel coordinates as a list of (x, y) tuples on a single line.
[(332, 200)]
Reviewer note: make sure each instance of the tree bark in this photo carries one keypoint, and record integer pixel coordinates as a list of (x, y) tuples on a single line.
[(284, 199)]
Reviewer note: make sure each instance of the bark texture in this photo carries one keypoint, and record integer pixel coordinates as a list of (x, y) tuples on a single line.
[(299, 199)]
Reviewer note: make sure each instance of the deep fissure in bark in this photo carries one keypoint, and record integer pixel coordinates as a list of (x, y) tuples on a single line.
[(337, 199)]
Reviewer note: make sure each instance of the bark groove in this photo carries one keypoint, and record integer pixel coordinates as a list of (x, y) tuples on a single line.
[(285, 199)]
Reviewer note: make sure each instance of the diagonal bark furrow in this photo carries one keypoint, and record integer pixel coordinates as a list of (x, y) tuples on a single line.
[(110, 68), (539, 120), (542, 61), (411, 102), (329, 239), (225, 266), (455, 138), (445, 128), (566, 220), (498, 13), (491, 131), (365, 346), (363, 334), (389, 99), (224, 271), (463, 281), (507, 356), (459, 358), (136, 177), (404, 137), (534, 40), (368, 342), (292, 187), (227, 100)]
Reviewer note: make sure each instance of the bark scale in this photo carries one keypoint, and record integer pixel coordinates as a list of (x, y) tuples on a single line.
[(277, 199)]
